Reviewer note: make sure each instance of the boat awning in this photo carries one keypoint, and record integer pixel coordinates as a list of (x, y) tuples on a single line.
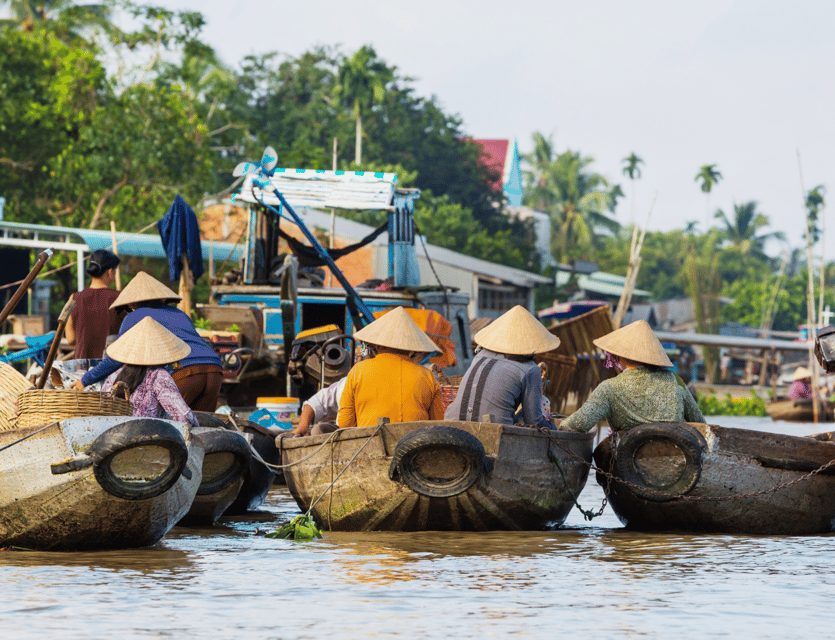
[(363, 190)]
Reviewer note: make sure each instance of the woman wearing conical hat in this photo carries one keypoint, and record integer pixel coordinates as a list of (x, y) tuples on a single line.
[(198, 375), (644, 390), (391, 385), (503, 374), (145, 349), (801, 386)]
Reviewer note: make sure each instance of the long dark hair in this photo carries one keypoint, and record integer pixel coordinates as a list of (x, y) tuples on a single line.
[(132, 375)]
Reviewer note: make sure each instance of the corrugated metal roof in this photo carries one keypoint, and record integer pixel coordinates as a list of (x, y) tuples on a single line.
[(600, 282), (130, 244), (318, 188), (708, 340), (355, 230)]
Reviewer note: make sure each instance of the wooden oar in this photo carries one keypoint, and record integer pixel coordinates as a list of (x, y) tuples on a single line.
[(59, 333), (24, 286)]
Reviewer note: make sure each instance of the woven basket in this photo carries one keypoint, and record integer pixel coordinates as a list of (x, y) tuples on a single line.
[(12, 384), (42, 406), (449, 390)]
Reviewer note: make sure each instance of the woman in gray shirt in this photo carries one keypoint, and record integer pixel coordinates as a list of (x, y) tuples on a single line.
[(503, 375)]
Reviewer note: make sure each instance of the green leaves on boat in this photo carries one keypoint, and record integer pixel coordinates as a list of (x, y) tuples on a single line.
[(299, 528)]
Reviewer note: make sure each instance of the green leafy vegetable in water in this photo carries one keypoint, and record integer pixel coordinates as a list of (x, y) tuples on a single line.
[(299, 528)]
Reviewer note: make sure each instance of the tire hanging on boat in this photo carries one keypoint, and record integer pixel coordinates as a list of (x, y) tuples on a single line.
[(415, 450), (143, 432), (223, 441), (687, 439)]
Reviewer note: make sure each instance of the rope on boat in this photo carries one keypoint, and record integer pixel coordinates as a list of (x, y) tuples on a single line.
[(610, 476), (27, 437)]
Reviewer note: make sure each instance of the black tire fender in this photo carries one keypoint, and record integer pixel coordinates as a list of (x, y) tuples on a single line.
[(221, 440), (206, 419), (438, 437), (143, 432), (688, 440)]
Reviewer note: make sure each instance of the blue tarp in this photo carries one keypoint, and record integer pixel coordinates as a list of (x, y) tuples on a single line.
[(180, 235)]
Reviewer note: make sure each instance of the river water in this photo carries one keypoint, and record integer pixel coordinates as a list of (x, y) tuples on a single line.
[(593, 579)]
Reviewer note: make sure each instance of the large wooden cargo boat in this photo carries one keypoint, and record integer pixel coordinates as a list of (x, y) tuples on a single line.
[(437, 475), (96, 482), (732, 480)]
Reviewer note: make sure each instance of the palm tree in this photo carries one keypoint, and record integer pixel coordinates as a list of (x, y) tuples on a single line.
[(633, 171), (577, 199), (361, 82), (709, 175), (743, 230)]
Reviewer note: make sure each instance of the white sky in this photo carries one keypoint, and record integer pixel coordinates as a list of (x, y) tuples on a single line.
[(739, 84)]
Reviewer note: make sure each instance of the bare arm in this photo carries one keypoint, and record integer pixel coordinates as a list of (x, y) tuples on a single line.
[(305, 420), (69, 331)]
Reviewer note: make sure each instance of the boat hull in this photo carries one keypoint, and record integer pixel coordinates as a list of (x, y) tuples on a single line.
[(734, 462), (520, 488), (71, 510), (257, 478), (799, 410)]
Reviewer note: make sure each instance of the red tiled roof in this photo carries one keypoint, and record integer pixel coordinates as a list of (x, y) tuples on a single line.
[(494, 155)]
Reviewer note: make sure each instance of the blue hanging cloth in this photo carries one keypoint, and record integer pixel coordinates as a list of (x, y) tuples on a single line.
[(180, 235)]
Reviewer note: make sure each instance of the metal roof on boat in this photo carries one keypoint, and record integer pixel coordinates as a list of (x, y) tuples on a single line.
[(372, 190)]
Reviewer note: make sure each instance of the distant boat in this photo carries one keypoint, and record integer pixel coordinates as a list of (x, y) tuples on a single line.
[(726, 475), (799, 410), (103, 482), (437, 476)]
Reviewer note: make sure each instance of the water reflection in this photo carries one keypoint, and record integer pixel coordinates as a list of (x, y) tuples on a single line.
[(591, 578)]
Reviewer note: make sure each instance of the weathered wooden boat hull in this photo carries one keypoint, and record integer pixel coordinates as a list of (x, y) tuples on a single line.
[(799, 410), (519, 487), (41, 509), (257, 478), (226, 457), (734, 462)]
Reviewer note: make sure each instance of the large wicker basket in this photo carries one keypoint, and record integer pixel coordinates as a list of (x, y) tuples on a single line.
[(12, 384), (38, 407)]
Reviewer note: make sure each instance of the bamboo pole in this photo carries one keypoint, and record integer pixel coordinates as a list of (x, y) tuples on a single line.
[(634, 266), (116, 253), (185, 288), (810, 300)]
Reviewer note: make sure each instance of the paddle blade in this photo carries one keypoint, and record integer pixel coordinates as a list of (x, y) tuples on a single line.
[(269, 161), (245, 168)]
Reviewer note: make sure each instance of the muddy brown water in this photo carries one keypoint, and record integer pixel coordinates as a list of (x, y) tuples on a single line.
[(591, 578)]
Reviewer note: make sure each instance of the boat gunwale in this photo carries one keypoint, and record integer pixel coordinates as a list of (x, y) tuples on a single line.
[(355, 433)]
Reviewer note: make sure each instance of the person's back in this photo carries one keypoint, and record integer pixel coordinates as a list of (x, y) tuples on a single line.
[(389, 386), (93, 321)]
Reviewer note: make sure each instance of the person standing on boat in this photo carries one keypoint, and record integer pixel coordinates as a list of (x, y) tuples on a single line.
[(390, 385), (503, 375), (801, 386), (199, 374), (644, 391), (144, 350), (92, 320)]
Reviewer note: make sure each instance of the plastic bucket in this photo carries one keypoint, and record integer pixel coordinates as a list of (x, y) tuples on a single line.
[(281, 408)]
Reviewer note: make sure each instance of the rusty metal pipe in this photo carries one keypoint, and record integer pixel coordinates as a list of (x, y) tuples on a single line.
[(43, 257)]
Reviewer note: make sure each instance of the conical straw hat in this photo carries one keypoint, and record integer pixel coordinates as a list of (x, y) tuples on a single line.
[(518, 333), (148, 343), (396, 330), (635, 342), (144, 287), (800, 373)]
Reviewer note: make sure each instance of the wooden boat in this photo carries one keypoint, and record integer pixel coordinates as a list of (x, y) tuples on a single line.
[(96, 482), (727, 475), (437, 475), (799, 410), (257, 477), (226, 456)]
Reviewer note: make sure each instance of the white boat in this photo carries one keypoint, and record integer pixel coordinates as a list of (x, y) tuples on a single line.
[(96, 482)]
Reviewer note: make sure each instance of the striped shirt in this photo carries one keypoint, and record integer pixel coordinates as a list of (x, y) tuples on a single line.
[(497, 385)]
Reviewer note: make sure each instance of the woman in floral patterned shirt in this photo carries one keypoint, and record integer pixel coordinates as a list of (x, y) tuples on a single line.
[(144, 350), (645, 391)]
